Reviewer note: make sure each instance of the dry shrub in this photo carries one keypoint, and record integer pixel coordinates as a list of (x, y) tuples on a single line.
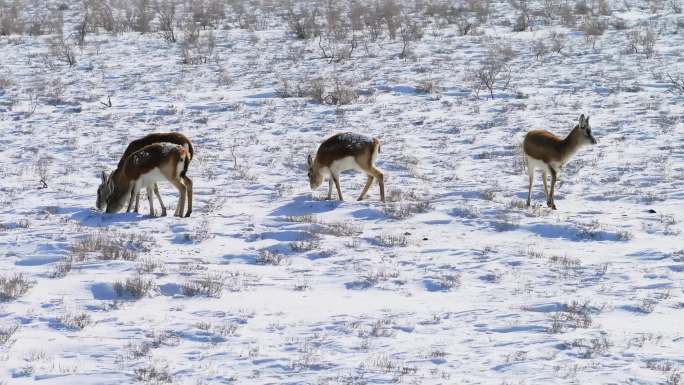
[(137, 287), (208, 285), (13, 286), (110, 245)]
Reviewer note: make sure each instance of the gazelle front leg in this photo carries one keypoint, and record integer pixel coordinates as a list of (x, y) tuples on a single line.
[(336, 179), (150, 200), (188, 185), (161, 203), (134, 194), (545, 176), (330, 187), (369, 182), (529, 191), (181, 199), (137, 200), (381, 181)]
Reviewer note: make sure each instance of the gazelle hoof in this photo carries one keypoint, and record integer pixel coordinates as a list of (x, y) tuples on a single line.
[(187, 215)]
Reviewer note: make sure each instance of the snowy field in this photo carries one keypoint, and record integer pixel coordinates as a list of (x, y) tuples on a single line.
[(452, 281)]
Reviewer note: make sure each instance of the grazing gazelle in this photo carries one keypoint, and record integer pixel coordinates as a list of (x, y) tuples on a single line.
[(346, 151), (549, 153), (104, 191), (144, 168)]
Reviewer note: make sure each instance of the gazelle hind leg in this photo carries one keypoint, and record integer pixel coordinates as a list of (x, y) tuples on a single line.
[(188, 186), (150, 200), (369, 182), (161, 203), (554, 177)]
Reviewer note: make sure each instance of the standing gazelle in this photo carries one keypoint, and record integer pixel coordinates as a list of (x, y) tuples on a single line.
[(144, 168), (549, 153), (346, 151), (103, 191)]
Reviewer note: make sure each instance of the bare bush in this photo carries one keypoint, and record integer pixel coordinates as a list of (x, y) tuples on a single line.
[(167, 20), (110, 245), (63, 267), (340, 229), (392, 240), (13, 286), (208, 13), (390, 12), (10, 22), (676, 83), (575, 315), (540, 49), (41, 168), (642, 40), (406, 209), (62, 50), (589, 348), (137, 287), (303, 24), (153, 374), (75, 321), (428, 86), (267, 257), (142, 16), (7, 333), (493, 73), (593, 28), (197, 48), (567, 16), (448, 282), (149, 265), (288, 89), (410, 32), (558, 42), (208, 285), (343, 92)]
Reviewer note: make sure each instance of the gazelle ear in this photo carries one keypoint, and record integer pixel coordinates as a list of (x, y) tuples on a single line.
[(587, 119), (309, 160), (581, 119)]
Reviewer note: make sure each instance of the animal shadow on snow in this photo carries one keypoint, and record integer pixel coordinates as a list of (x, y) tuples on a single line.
[(304, 205), (92, 218)]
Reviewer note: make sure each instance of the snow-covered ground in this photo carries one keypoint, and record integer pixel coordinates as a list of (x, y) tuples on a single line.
[(453, 281)]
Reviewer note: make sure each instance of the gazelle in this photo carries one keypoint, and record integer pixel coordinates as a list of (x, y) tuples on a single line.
[(144, 168), (103, 191), (346, 151), (549, 153)]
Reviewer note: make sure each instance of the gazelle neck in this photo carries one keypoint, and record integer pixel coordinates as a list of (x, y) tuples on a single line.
[(570, 144)]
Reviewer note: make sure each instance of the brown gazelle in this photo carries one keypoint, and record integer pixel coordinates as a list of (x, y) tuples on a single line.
[(346, 151), (104, 190), (144, 168), (549, 153)]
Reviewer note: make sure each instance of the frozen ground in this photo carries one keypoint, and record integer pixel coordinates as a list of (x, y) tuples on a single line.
[(452, 282)]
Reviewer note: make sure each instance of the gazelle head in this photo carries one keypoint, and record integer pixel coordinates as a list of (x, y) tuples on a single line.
[(586, 136), (104, 191), (315, 177)]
